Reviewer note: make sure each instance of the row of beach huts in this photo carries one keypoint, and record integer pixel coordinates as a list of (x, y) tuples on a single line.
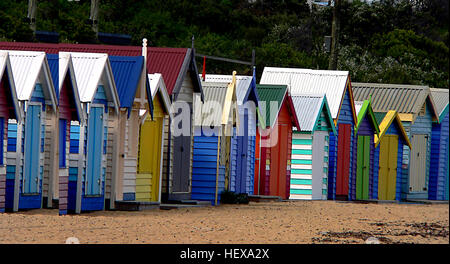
[(89, 127)]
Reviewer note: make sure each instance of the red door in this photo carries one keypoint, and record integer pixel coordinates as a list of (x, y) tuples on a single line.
[(343, 159), (256, 183)]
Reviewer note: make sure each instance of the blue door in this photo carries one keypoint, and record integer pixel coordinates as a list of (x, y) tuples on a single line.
[(32, 141), (242, 148), (94, 151), (2, 124), (62, 142)]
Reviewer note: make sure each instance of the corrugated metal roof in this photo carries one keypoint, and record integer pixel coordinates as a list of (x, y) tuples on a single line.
[(89, 69), (440, 98), (5, 68), (53, 64), (358, 105), (386, 123), (65, 66), (267, 94), (243, 83), (127, 72), (215, 94), (157, 85), (307, 108), (304, 81), (167, 61), (31, 46), (29, 67), (406, 99)]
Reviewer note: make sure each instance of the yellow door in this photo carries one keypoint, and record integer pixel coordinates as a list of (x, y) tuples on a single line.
[(149, 164), (388, 168)]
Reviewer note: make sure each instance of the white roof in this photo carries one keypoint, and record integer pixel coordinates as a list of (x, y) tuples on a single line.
[(29, 68), (307, 107), (242, 83), (66, 66), (90, 70), (358, 105), (5, 67), (303, 81), (156, 82)]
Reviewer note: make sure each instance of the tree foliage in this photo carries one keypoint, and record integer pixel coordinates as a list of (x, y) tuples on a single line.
[(391, 41)]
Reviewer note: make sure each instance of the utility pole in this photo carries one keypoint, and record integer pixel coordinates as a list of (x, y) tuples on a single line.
[(94, 16), (32, 5), (335, 36)]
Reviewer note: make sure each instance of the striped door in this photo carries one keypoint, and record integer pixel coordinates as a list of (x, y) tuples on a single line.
[(362, 168), (387, 176), (32, 143), (417, 170), (94, 151), (301, 167), (343, 159)]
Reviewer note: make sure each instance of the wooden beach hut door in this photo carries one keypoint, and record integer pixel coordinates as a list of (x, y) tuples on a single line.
[(278, 163), (362, 168), (32, 143), (418, 162), (343, 159), (242, 149), (388, 167), (94, 151), (181, 163), (147, 181)]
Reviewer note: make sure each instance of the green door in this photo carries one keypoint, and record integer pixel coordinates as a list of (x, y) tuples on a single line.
[(362, 168)]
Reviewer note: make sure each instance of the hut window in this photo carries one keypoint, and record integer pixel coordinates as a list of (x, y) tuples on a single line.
[(133, 135), (423, 110)]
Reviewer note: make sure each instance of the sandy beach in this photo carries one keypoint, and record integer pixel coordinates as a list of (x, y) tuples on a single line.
[(292, 222)]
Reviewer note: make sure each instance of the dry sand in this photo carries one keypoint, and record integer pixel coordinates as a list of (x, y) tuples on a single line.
[(271, 222)]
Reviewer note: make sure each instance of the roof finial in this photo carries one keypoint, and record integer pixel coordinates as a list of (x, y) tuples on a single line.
[(144, 48)]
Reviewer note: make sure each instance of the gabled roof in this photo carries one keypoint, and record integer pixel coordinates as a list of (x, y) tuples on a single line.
[(172, 63), (440, 98), (5, 68), (53, 64), (362, 109), (244, 86), (221, 93), (29, 68), (386, 123), (65, 66), (91, 69), (308, 108), (304, 81), (269, 93), (127, 73), (157, 85), (407, 100)]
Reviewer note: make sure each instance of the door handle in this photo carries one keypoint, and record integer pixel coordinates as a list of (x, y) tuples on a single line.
[(181, 149)]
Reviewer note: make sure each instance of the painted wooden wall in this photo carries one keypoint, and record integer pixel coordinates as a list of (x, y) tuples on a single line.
[(5, 109), (248, 123), (422, 125), (16, 159), (186, 94), (438, 184), (345, 117), (366, 128), (149, 162), (394, 129), (275, 161), (205, 167)]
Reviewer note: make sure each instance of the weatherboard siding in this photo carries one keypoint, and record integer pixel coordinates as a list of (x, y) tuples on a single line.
[(345, 117), (301, 167), (437, 189), (422, 125)]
